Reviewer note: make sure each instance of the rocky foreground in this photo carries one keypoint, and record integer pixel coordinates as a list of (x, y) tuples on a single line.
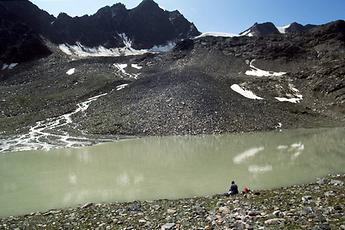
[(319, 205)]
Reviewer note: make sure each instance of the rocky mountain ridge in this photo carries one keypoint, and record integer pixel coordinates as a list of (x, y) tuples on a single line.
[(268, 28), (26, 29), (146, 25)]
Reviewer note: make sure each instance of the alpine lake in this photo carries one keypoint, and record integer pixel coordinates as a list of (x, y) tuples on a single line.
[(172, 167)]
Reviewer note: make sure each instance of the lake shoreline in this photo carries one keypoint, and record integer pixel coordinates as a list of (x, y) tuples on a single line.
[(318, 205), (96, 139)]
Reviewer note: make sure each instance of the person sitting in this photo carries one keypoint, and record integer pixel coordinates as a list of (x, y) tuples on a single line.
[(233, 189), (245, 190)]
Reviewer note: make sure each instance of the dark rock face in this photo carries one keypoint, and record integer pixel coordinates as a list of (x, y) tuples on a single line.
[(18, 41), (330, 30), (296, 28), (26, 12), (146, 25), (149, 25), (268, 28), (262, 29)]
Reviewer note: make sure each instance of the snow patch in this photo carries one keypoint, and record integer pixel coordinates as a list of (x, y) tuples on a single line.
[(67, 49), (262, 73), (296, 98), (246, 93), (121, 68), (279, 125), (9, 66), (247, 154), (120, 87), (126, 41), (247, 33), (216, 34), (4, 66), (71, 71), (163, 48), (282, 29), (81, 51), (291, 100), (136, 66)]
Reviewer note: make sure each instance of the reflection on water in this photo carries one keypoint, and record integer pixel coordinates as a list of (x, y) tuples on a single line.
[(259, 169), (166, 167), (247, 154)]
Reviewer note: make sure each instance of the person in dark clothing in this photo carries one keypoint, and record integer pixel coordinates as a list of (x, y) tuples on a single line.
[(233, 189)]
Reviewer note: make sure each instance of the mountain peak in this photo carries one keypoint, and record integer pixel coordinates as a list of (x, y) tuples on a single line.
[(295, 28), (118, 5), (148, 4), (111, 11), (146, 25), (262, 29), (268, 28), (295, 23), (63, 15)]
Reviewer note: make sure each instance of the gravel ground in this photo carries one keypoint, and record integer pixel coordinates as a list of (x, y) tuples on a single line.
[(319, 205)]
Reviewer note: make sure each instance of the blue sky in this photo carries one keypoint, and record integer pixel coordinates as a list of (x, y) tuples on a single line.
[(232, 16)]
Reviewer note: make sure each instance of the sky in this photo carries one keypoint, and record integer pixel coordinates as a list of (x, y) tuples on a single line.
[(232, 16)]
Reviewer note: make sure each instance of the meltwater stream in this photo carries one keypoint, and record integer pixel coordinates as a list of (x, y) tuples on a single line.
[(166, 167), (48, 134)]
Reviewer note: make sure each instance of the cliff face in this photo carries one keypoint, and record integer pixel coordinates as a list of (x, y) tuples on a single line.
[(19, 41), (147, 25)]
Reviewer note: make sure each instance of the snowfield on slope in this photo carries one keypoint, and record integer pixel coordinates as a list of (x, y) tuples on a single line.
[(81, 51), (282, 29), (216, 34), (121, 68), (262, 73), (291, 100), (121, 87), (70, 71), (296, 98), (136, 66), (9, 66), (247, 33), (246, 93)]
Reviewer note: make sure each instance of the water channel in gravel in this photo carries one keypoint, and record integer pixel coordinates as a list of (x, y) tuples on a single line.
[(166, 167)]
